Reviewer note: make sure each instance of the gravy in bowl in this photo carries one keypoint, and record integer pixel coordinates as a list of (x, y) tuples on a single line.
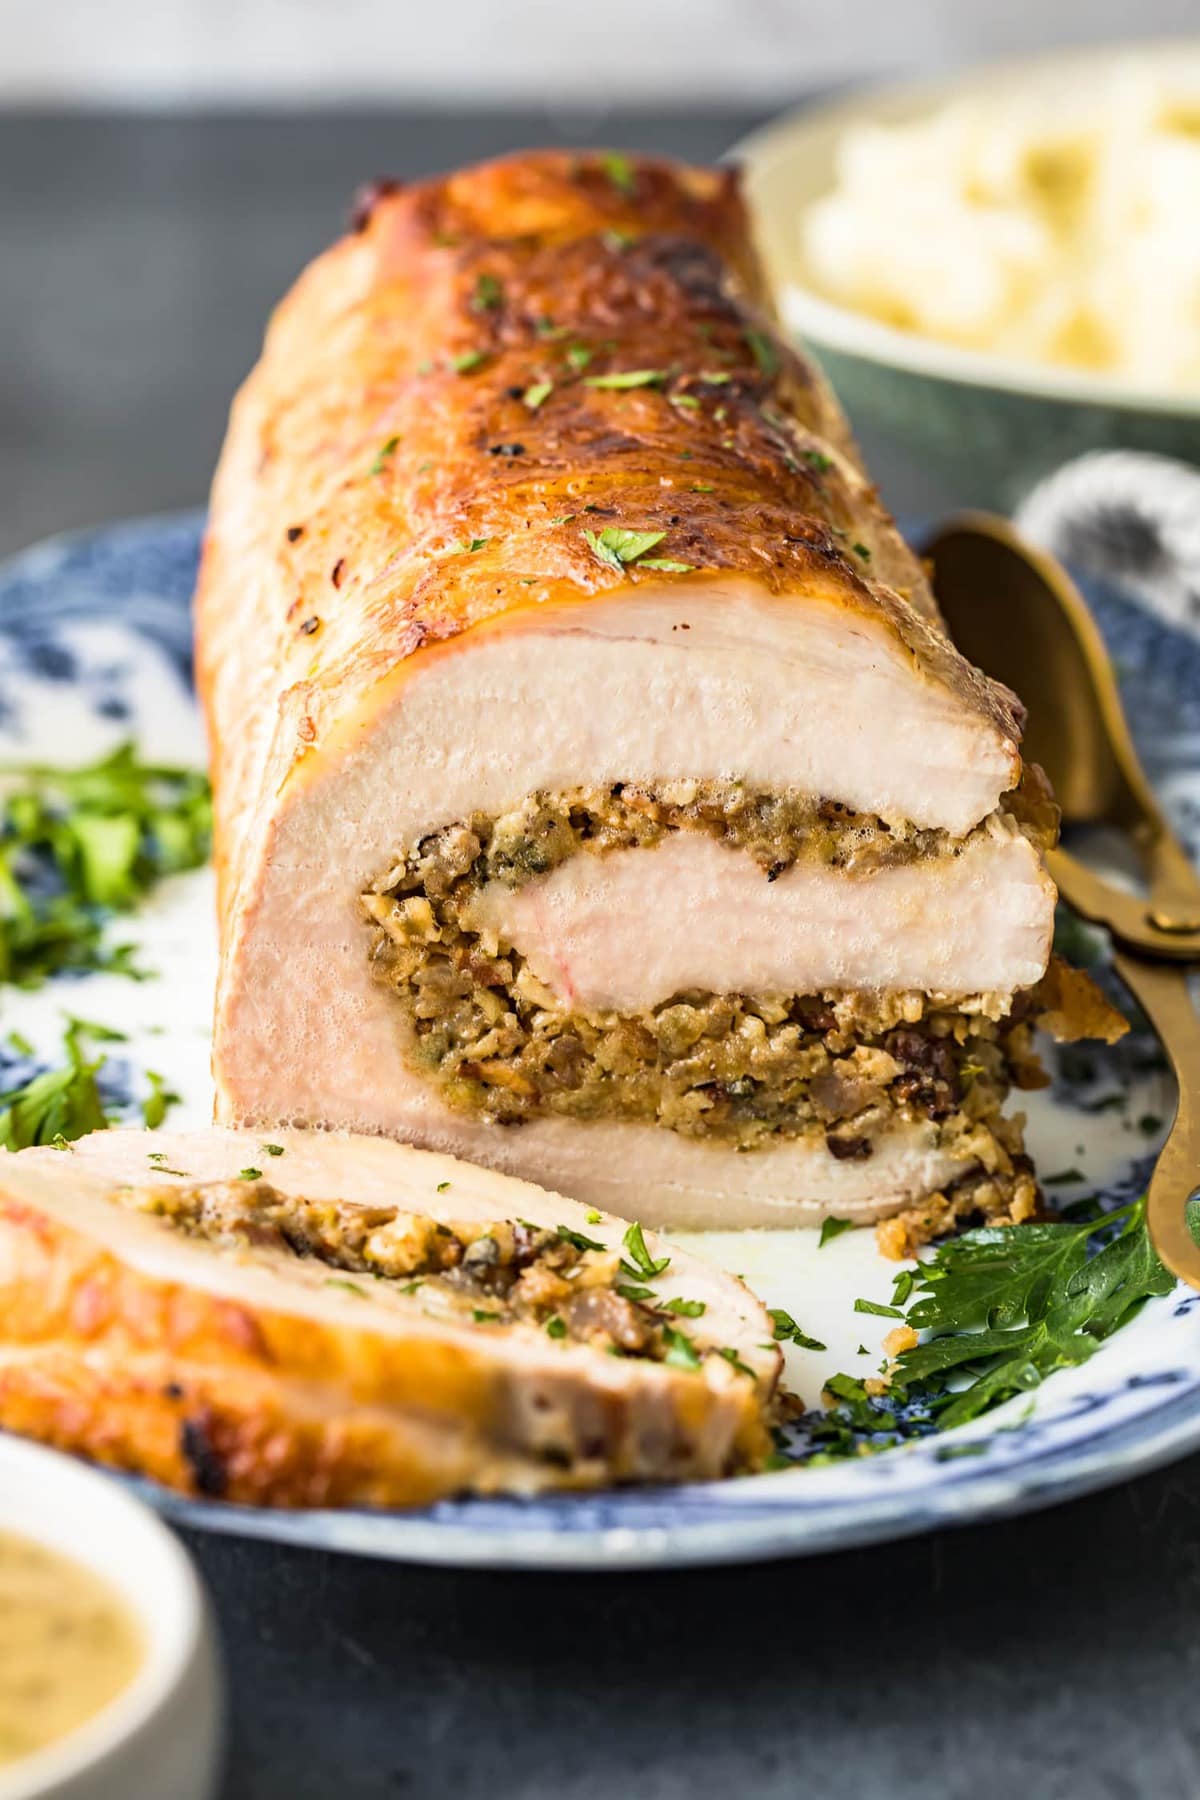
[(68, 1645)]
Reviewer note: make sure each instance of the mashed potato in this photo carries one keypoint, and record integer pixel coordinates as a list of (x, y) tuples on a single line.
[(1058, 227)]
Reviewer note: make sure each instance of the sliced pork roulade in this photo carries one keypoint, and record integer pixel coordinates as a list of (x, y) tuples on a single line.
[(329, 1320), (598, 795)]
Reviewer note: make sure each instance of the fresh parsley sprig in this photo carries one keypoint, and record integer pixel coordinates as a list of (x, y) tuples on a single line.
[(1001, 1309)]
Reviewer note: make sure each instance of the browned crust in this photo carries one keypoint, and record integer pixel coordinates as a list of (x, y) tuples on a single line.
[(221, 1400), (330, 561)]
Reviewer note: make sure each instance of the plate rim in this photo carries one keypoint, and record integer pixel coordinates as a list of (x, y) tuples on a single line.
[(814, 1525)]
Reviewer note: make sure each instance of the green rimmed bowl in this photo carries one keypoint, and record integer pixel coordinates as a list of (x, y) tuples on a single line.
[(982, 428)]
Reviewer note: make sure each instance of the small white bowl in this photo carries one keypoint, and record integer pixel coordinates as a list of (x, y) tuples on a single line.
[(159, 1738)]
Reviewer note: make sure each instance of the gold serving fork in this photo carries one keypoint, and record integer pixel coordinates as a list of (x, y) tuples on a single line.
[(1016, 613)]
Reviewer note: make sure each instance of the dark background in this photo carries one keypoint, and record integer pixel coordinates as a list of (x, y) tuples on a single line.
[(1052, 1658)]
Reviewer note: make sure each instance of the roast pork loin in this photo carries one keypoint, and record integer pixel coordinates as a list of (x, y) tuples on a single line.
[(321, 1320), (598, 795)]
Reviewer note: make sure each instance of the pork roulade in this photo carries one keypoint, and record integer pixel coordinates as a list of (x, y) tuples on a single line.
[(598, 795)]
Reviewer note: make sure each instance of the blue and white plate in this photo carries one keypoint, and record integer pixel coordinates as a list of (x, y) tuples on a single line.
[(95, 647)]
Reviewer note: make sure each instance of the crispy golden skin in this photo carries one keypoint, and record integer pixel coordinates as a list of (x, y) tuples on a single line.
[(422, 449)]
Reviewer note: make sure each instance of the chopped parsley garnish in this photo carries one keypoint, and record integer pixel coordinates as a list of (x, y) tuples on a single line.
[(556, 1327), (78, 845), (488, 294), (466, 360), (383, 456), (833, 1228), (641, 1263), (861, 551), (249, 1174), (681, 1352), (537, 393), (817, 459), (459, 548), (619, 170), (702, 487), (615, 546), (628, 378), (442, 1186), (763, 351), (688, 400), (879, 1311), (612, 239), (579, 356), (1064, 1178), (272, 1149), (731, 1356), (788, 1332), (666, 565), (593, 1217), (687, 1309), (484, 1318), (576, 1239)]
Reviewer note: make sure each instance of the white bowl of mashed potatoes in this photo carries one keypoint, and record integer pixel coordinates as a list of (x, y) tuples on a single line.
[(999, 270), (108, 1676)]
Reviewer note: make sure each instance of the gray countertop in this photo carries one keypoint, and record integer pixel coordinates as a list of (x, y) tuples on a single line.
[(1056, 1656)]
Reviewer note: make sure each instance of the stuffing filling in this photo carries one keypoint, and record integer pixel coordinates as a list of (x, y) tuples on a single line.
[(737, 1069), (504, 1272)]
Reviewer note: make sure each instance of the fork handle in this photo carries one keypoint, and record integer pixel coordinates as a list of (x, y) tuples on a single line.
[(1173, 903), (1174, 896), (1162, 991)]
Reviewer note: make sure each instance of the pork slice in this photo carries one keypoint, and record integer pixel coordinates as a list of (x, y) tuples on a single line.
[(260, 1375)]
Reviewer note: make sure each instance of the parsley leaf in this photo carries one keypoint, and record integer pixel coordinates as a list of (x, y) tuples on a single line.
[(488, 294), (615, 547), (384, 456), (833, 1228), (626, 378), (763, 351), (687, 1309), (641, 1263), (55, 1107), (539, 391), (77, 845), (788, 1332), (576, 1239), (158, 1101), (681, 1352), (619, 170)]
